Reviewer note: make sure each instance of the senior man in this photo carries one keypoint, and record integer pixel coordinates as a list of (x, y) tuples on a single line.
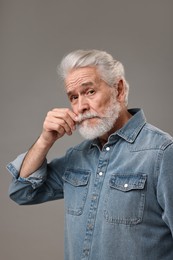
[(118, 184)]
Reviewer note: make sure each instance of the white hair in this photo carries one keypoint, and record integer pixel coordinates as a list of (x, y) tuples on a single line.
[(110, 70)]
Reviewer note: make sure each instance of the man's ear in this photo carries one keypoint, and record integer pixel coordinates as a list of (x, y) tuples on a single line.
[(120, 91)]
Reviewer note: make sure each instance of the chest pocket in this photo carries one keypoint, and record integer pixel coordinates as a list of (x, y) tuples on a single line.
[(125, 199), (75, 190)]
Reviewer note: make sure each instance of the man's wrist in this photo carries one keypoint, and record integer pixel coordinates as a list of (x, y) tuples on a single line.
[(43, 143)]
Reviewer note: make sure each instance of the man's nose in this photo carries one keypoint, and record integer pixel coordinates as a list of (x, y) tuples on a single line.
[(83, 105)]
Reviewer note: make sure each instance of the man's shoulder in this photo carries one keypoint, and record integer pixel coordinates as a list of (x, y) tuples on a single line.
[(157, 137)]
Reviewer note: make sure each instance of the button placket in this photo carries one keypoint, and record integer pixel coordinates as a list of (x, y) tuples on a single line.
[(102, 166)]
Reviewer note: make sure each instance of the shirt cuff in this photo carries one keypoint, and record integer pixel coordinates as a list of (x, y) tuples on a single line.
[(36, 179)]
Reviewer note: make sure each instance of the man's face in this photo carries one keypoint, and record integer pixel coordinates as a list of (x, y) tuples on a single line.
[(93, 101)]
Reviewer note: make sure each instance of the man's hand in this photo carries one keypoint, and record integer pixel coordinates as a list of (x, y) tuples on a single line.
[(58, 122)]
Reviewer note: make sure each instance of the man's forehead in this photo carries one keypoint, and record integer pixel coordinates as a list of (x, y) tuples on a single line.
[(82, 77)]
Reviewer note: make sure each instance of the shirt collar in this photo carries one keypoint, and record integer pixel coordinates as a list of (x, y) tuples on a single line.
[(131, 129)]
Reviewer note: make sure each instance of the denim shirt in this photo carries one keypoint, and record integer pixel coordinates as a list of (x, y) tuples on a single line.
[(118, 199)]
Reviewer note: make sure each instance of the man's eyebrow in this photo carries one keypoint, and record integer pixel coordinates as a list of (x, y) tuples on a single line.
[(69, 93), (85, 85), (88, 83)]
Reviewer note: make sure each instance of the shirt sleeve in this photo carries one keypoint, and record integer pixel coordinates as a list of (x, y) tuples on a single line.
[(36, 179), (165, 186), (43, 185)]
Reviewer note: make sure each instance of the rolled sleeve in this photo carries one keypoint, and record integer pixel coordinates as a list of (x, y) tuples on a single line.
[(36, 179), (164, 186)]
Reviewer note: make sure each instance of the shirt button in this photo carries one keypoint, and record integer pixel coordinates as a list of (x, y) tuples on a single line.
[(107, 148), (87, 253), (100, 173), (126, 185), (94, 197), (90, 226)]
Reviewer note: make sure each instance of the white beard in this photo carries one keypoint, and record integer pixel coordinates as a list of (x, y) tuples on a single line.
[(105, 122)]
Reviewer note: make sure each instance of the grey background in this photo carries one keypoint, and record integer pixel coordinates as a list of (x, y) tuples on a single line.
[(34, 36)]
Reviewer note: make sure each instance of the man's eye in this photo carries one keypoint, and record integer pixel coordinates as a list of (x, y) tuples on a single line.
[(90, 92), (72, 98)]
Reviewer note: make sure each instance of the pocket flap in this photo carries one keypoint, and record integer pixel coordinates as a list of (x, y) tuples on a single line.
[(76, 177), (128, 182)]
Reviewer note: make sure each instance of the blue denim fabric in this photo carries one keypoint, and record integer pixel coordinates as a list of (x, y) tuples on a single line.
[(118, 200)]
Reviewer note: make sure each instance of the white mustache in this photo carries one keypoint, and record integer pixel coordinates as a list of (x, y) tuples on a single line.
[(82, 117)]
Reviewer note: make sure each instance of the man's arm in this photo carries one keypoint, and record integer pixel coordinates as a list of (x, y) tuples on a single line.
[(58, 122), (165, 184)]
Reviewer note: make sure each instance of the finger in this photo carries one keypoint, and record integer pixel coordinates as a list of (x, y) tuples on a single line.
[(57, 124), (67, 115), (63, 124), (54, 128), (65, 111)]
